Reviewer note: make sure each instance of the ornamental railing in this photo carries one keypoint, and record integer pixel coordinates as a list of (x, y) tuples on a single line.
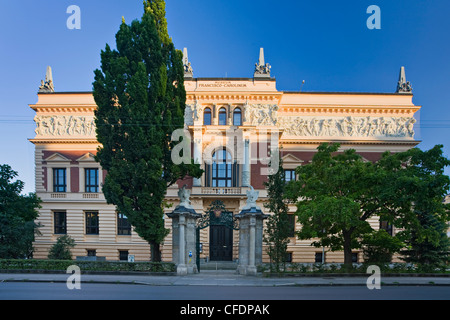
[(221, 190)]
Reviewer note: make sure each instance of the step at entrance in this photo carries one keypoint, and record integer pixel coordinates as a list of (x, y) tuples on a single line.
[(218, 265)]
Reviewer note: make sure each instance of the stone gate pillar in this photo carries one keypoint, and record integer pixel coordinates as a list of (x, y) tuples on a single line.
[(251, 225), (183, 234)]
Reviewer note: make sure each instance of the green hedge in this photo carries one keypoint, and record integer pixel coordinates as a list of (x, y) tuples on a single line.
[(62, 265), (359, 268)]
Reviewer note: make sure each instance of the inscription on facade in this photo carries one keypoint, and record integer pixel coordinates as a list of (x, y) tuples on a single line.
[(222, 84)]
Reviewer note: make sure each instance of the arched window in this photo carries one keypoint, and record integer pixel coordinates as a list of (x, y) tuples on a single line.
[(222, 170), (207, 117), (237, 117), (222, 117)]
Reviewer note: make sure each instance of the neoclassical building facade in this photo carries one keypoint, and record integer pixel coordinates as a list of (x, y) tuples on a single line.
[(234, 124)]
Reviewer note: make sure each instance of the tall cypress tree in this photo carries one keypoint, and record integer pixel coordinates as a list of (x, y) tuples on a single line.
[(141, 99), (422, 182)]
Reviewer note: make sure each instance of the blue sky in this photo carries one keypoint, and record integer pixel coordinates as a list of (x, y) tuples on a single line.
[(325, 43)]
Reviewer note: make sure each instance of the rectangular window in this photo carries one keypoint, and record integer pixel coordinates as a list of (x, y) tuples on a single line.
[(291, 219), (318, 257), (92, 222), (123, 255), (288, 257), (91, 252), (289, 175), (59, 180), (123, 225), (386, 226), (59, 222), (91, 180)]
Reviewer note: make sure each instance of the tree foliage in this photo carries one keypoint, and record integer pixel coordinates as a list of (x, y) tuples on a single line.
[(17, 215), (141, 99), (379, 246), (421, 188), (338, 192)]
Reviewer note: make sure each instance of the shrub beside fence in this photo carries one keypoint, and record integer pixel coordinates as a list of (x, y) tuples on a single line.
[(62, 265)]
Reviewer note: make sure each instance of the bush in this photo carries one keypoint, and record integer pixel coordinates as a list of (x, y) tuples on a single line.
[(379, 247), (61, 249), (62, 265)]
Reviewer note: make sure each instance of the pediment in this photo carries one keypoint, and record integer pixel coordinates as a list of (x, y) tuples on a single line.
[(56, 157), (290, 158), (88, 157)]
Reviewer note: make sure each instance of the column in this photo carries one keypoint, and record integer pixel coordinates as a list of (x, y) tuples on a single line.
[(183, 243), (250, 240), (246, 169), (181, 268), (197, 155), (251, 268)]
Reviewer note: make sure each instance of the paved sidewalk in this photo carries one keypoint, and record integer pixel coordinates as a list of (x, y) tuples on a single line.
[(226, 278)]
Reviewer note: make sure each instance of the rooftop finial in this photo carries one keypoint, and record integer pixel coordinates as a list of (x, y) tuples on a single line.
[(47, 85), (261, 56), (262, 69), (403, 86), (188, 72)]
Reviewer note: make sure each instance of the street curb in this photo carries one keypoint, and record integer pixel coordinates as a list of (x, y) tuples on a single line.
[(234, 285), (351, 275), (106, 273)]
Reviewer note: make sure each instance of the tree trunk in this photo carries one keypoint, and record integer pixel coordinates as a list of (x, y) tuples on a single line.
[(347, 249), (155, 252)]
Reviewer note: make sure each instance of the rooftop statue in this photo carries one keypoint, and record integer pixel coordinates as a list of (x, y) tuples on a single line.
[(188, 72), (47, 85), (403, 86), (262, 69)]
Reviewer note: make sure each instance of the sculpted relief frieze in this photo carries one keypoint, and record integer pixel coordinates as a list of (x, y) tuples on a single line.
[(357, 127), (317, 126), (261, 114), (65, 126)]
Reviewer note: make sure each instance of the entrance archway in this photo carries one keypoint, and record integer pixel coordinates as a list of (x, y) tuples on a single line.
[(221, 223)]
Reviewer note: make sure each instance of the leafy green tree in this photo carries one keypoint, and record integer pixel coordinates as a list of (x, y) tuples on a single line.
[(141, 99), (338, 192), (17, 215), (336, 195), (61, 250), (379, 247), (276, 235)]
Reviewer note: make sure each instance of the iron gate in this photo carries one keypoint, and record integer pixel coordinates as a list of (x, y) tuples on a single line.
[(223, 222)]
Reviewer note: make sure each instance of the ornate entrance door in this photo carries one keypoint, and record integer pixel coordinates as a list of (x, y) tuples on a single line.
[(220, 243)]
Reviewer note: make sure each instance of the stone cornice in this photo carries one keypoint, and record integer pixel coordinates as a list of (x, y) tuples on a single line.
[(287, 110), (232, 98), (347, 142), (63, 108), (63, 141)]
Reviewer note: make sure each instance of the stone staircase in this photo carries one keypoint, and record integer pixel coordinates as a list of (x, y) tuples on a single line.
[(218, 265)]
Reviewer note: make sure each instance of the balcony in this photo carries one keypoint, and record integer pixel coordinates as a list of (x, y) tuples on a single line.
[(71, 196), (218, 191), (221, 190)]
